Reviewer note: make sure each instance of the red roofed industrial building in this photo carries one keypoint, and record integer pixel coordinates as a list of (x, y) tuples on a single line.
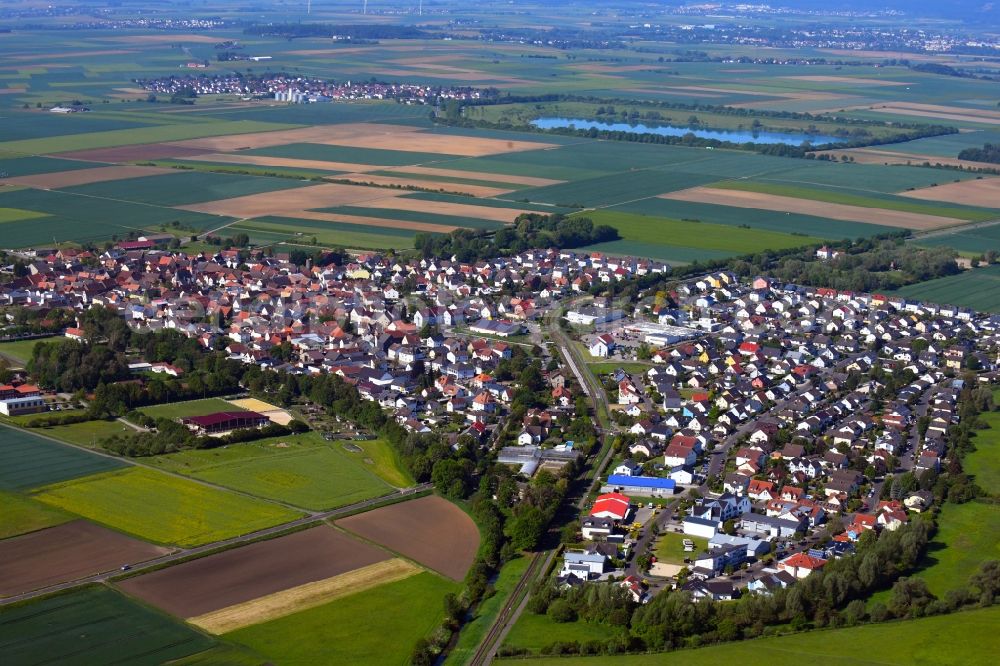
[(611, 505), (211, 424)]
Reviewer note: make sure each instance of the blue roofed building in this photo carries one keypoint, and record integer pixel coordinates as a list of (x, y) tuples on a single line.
[(648, 486)]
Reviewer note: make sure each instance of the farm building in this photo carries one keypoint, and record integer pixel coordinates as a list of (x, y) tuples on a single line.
[(211, 424), (611, 505), (640, 485)]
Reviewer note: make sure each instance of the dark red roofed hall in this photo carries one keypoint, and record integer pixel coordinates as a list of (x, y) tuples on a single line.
[(225, 421)]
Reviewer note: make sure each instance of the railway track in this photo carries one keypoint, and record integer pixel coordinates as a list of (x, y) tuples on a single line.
[(487, 648)]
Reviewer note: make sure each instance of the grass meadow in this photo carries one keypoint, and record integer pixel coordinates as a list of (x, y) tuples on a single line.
[(377, 627), (303, 470), (670, 547), (984, 463), (21, 515), (19, 350), (162, 508), (533, 632), (959, 639)]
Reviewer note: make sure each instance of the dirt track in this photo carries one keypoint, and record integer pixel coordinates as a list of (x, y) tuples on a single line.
[(429, 530), (833, 211), (57, 179), (239, 575), (66, 552)]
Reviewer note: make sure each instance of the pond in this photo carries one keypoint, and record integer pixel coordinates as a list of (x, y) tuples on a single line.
[(734, 136)]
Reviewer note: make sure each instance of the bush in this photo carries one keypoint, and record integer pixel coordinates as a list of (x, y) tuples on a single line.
[(561, 611)]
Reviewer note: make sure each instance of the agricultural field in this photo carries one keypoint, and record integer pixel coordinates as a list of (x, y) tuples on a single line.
[(431, 531), (977, 288), (67, 552), (94, 625), (303, 470), (933, 640), (356, 628), (162, 508), (29, 461), (22, 514), (242, 574), (669, 240), (973, 239), (269, 229)]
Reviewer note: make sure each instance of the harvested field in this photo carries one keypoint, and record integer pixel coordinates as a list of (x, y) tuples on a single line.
[(235, 576), (375, 223), (304, 597), (985, 192), (311, 134), (147, 151), (474, 175), (289, 162), (282, 202), (421, 142), (741, 199), (961, 114), (66, 552), (876, 156), (57, 179), (389, 181), (429, 530)]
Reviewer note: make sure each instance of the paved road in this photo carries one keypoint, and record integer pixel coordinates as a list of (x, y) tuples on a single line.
[(225, 543)]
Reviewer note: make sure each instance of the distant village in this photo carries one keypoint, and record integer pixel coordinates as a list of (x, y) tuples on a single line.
[(757, 425)]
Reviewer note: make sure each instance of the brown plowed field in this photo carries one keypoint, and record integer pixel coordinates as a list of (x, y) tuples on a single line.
[(241, 574), (429, 530), (66, 552), (876, 156), (51, 181), (985, 193), (462, 188), (149, 151), (741, 199), (311, 134), (505, 215), (442, 144), (290, 162), (286, 202)]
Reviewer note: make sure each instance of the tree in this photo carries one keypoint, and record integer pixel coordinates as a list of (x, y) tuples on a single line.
[(527, 527), (561, 611), (450, 478)]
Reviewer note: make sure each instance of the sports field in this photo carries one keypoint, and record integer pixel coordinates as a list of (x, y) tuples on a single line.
[(303, 470), (377, 627), (28, 461), (19, 350), (934, 640), (177, 410), (978, 288), (162, 508), (95, 625)]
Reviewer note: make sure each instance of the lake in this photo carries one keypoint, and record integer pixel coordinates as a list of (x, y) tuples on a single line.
[(734, 136)]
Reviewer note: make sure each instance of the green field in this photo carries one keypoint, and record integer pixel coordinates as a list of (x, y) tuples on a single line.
[(183, 188), (533, 632), (347, 154), (966, 538), (88, 433), (384, 461), (604, 368), (136, 135), (30, 166), (27, 461), (303, 470), (853, 198), (662, 235), (16, 215), (177, 410), (94, 625), (20, 515), (377, 627), (975, 240), (959, 639), (19, 350), (269, 230), (978, 288), (670, 547), (984, 463), (475, 630), (82, 218), (163, 508), (418, 216)]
